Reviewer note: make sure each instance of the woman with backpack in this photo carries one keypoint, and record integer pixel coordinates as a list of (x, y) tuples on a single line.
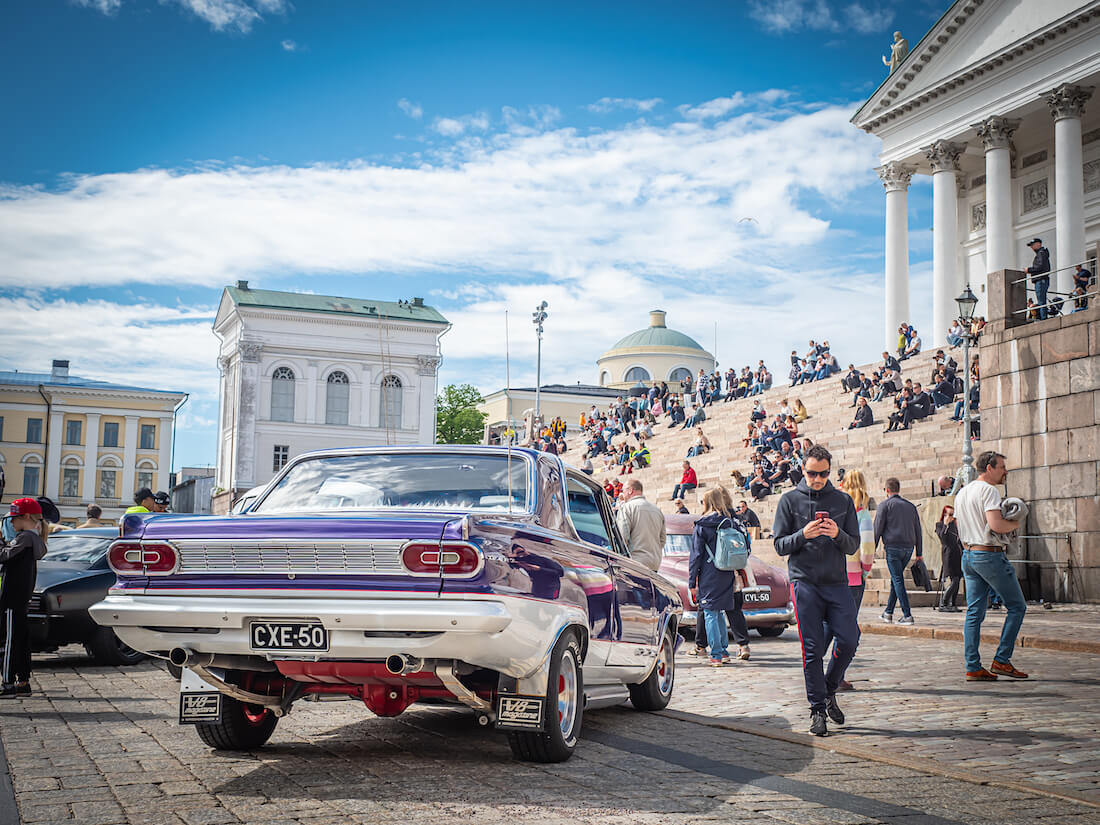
[(712, 587)]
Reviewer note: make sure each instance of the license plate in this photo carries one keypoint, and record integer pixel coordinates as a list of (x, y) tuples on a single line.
[(758, 596), (289, 636)]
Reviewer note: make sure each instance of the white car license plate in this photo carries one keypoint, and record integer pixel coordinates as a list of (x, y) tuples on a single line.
[(290, 637), (762, 596)]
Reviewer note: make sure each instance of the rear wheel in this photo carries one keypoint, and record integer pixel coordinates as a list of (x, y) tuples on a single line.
[(564, 708), (771, 630), (656, 691), (107, 649), (242, 728)]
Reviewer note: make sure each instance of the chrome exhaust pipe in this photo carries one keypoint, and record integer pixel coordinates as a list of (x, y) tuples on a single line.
[(185, 657), (400, 664)]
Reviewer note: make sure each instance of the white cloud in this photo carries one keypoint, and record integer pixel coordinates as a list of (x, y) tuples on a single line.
[(654, 199), (104, 6), (239, 15), (413, 110), (718, 107), (289, 46), (611, 104), (783, 16), (167, 348), (455, 126)]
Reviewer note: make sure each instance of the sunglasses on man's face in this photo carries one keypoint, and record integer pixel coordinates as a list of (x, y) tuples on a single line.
[(816, 474)]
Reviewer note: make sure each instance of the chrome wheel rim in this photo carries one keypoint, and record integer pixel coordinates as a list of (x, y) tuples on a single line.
[(567, 695), (666, 667)]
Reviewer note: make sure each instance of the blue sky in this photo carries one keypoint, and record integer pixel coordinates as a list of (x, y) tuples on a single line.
[(486, 156)]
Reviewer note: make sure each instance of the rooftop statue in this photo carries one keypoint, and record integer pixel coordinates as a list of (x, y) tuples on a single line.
[(898, 51)]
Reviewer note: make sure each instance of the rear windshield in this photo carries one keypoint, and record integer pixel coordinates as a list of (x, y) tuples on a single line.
[(677, 544), (435, 481), (76, 548)]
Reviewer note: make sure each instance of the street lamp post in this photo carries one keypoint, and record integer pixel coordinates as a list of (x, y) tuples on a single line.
[(537, 317), (967, 302)]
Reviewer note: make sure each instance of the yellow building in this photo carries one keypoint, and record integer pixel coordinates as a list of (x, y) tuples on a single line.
[(656, 353), (81, 441)]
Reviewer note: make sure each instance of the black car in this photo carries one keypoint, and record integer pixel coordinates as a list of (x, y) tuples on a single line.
[(72, 577)]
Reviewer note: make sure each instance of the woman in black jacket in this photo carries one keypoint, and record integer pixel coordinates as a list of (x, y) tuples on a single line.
[(712, 588), (948, 531)]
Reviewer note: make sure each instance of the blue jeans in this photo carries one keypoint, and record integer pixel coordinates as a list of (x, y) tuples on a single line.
[(958, 414), (717, 635), (814, 606), (1041, 286), (984, 570), (896, 559), (857, 596)]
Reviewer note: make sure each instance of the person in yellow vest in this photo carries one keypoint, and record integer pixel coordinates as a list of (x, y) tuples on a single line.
[(143, 502)]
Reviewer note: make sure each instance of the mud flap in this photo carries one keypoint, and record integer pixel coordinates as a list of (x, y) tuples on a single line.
[(200, 701), (518, 705)]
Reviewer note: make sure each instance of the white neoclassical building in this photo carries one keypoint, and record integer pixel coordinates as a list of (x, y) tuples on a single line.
[(303, 372), (999, 104)]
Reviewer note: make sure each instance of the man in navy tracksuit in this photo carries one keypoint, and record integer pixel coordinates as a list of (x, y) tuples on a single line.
[(816, 548)]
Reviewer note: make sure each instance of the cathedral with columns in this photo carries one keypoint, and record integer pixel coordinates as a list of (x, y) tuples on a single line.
[(998, 103)]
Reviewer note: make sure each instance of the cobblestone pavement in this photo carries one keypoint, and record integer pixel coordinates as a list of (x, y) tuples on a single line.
[(100, 746)]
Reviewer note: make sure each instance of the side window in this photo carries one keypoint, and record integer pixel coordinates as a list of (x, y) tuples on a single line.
[(592, 516), (585, 514)]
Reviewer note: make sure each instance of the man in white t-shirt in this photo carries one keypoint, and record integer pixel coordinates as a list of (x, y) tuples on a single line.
[(982, 530)]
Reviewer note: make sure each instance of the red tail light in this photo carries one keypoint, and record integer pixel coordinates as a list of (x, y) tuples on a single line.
[(429, 558), (144, 558)]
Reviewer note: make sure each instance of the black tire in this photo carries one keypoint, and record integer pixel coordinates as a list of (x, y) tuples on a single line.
[(559, 740), (771, 631), (656, 691), (107, 649), (242, 728)]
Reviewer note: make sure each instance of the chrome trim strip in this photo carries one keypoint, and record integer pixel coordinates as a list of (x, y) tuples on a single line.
[(286, 557)]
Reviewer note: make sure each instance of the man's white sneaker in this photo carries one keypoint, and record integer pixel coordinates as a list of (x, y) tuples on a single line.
[(887, 617), (906, 620)]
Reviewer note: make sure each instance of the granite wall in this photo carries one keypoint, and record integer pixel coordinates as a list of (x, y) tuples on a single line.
[(1040, 407)]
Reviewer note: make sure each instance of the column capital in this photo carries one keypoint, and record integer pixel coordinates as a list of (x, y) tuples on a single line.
[(996, 132), (895, 176), (250, 350), (427, 364), (1068, 100), (944, 155)]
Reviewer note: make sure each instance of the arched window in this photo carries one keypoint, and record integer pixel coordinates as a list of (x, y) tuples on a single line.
[(390, 412), (604, 378), (336, 398), (282, 394), (636, 374), (679, 374)]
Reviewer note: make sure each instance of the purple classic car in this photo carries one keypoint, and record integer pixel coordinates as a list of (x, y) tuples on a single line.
[(480, 576)]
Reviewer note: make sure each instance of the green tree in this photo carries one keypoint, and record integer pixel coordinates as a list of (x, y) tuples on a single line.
[(458, 420)]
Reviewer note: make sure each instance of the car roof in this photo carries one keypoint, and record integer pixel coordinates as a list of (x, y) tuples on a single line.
[(679, 523)]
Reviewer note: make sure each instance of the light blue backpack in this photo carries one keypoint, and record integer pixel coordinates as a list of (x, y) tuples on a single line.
[(732, 547)]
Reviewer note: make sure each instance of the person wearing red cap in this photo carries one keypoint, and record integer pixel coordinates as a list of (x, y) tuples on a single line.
[(19, 564)]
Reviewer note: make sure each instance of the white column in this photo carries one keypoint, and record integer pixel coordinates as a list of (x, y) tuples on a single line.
[(164, 457), (248, 401), (1000, 248), (125, 488), (426, 370), (895, 179), (313, 414), (1067, 104), (53, 454), (945, 238), (91, 455)]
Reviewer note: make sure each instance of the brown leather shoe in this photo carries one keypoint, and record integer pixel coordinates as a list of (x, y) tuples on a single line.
[(1007, 669), (982, 675)]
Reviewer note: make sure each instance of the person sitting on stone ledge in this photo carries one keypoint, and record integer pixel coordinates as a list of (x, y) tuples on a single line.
[(913, 346), (800, 413), (701, 444), (864, 416), (889, 362), (759, 488), (921, 406), (944, 391), (851, 381), (901, 402), (689, 481), (955, 334)]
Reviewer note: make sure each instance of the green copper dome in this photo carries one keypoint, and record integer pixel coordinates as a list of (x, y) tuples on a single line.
[(658, 335)]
